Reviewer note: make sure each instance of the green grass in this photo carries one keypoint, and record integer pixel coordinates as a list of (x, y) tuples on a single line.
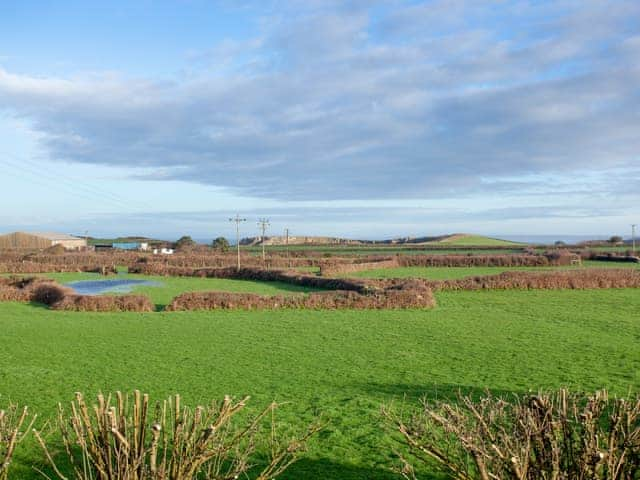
[(170, 287), (477, 241), (343, 363), (409, 249), (450, 273)]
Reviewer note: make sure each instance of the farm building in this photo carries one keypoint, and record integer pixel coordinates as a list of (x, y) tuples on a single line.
[(130, 246), (39, 240)]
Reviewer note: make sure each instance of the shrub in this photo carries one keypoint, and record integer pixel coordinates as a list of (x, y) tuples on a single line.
[(555, 435), (477, 260), (14, 424), (104, 303), (546, 280), (221, 244), (185, 243), (329, 300), (55, 250), (126, 438), (50, 293)]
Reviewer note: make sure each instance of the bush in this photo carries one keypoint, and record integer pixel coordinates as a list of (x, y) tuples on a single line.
[(185, 243), (552, 258), (104, 303), (330, 300), (122, 438), (221, 244), (594, 278), (555, 435), (50, 293)]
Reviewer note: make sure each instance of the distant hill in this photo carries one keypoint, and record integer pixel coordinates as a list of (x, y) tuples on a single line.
[(466, 239), (456, 239)]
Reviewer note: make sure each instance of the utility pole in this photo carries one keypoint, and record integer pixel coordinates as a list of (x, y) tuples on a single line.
[(633, 237), (286, 242), (237, 219), (263, 223)]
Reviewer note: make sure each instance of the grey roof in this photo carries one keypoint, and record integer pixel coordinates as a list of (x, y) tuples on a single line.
[(53, 235)]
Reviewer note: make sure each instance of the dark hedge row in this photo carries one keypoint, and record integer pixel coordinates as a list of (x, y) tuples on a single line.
[(104, 303), (550, 259), (338, 299), (591, 278)]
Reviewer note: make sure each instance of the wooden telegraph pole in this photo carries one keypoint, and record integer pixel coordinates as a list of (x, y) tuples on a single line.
[(237, 219), (263, 223), (286, 242)]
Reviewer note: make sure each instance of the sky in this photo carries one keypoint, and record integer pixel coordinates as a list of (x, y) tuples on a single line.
[(360, 119)]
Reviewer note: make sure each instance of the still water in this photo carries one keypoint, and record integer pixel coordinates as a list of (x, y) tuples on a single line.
[(96, 287)]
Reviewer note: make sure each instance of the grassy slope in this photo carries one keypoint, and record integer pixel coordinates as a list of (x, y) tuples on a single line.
[(172, 286), (345, 363), (442, 273), (476, 241)]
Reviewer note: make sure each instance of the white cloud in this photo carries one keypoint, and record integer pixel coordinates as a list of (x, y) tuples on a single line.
[(412, 102)]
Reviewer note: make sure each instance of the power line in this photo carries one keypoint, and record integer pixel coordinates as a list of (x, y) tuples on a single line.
[(104, 195)]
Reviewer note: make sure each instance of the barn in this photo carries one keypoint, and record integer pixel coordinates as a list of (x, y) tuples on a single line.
[(40, 240)]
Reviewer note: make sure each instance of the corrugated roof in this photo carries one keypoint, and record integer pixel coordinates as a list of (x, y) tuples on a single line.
[(53, 235)]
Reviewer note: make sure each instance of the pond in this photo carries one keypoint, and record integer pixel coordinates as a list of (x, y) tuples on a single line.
[(96, 287)]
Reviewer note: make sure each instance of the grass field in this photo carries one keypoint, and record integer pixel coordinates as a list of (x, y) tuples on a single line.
[(446, 273), (477, 241), (343, 363), (432, 249)]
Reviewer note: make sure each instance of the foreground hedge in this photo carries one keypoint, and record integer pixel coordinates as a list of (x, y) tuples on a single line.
[(549, 435), (129, 437)]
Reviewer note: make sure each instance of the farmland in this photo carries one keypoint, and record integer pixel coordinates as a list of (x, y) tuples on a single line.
[(342, 363)]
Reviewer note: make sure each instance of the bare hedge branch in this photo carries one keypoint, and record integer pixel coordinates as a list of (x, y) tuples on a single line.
[(555, 436)]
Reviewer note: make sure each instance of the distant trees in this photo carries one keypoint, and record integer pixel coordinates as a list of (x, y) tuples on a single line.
[(185, 243), (615, 239), (559, 243), (221, 244)]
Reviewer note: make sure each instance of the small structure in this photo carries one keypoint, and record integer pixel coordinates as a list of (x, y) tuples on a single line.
[(163, 251), (126, 245), (40, 241)]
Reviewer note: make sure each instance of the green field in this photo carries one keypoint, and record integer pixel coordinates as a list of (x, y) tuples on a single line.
[(343, 363), (477, 241), (450, 273)]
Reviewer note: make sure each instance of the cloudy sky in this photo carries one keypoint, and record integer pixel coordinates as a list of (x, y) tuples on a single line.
[(352, 118)]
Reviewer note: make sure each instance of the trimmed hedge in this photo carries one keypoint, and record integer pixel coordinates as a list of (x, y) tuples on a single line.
[(339, 299), (591, 278), (104, 303), (554, 258)]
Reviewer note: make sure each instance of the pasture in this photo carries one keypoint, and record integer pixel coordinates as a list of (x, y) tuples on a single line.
[(343, 364)]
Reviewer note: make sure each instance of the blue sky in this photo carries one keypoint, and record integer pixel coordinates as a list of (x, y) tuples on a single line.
[(360, 119)]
